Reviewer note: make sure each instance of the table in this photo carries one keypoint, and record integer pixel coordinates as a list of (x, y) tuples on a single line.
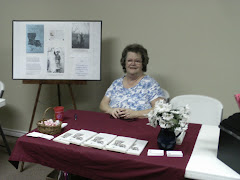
[(204, 163), (101, 164)]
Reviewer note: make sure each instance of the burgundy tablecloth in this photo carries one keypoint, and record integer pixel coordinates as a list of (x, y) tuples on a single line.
[(101, 164)]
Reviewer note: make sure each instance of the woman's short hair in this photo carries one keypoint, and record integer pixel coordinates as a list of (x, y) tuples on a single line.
[(136, 48)]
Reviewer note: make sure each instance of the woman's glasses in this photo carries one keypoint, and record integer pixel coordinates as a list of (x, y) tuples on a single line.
[(130, 61)]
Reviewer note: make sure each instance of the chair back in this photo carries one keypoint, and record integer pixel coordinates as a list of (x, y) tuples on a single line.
[(166, 94), (1, 89), (204, 109)]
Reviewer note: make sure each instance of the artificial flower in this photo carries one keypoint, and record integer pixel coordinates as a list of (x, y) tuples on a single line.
[(166, 116)]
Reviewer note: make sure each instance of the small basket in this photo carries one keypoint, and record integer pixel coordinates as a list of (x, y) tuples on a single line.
[(52, 130)]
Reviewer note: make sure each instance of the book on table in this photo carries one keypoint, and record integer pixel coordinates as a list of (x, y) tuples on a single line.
[(100, 140), (103, 141), (63, 138), (120, 144), (137, 147), (80, 137)]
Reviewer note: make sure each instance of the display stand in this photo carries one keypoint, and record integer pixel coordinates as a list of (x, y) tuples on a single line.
[(58, 82)]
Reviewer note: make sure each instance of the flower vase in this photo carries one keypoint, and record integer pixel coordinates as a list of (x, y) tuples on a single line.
[(166, 139)]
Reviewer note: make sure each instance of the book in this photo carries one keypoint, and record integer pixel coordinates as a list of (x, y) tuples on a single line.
[(81, 136), (63, 138), (100, 140), (120, 144), (137, 147)]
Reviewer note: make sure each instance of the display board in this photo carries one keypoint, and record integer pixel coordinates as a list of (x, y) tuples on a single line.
[(56, 50)]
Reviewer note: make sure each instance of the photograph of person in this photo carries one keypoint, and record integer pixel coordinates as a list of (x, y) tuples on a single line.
[(55, 60), (81, 35), (134, 94)]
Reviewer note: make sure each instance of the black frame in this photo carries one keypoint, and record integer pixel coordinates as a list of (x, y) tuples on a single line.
[(38, 43)]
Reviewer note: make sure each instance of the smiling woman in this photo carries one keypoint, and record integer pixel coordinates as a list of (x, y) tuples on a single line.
[(134, 94)]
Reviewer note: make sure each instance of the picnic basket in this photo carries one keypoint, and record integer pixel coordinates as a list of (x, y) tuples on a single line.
[(51, 130)]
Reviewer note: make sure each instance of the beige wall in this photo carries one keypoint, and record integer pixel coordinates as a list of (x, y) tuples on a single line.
[(193, 47)]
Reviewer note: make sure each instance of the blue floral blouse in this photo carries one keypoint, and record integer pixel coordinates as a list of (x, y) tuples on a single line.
[(136, 98)]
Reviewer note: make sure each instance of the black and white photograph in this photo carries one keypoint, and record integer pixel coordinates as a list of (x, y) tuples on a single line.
[(80, 35), (55, 60), (61, 50)]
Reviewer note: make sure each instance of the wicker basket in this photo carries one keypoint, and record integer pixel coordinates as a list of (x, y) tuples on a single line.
[(48, 129)]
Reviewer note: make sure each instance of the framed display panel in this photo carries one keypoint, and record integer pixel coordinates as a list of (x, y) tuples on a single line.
[(56, 50)]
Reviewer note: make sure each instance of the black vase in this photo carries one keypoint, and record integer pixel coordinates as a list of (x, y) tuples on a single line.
[(166, 139)]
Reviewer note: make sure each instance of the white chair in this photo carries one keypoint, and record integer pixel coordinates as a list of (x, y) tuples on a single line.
[(1, 89), (3, 103), (204, 109), (166, 94)]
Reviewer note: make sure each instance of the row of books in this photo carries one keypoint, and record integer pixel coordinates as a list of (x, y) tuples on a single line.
[(102, 141)]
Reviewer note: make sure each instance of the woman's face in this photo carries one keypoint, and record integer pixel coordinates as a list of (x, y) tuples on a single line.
[(134, 63)]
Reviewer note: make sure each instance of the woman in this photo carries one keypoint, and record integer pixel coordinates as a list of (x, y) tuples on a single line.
[(134, 94)]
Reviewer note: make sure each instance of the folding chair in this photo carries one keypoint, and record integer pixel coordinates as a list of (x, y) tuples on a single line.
[(3, 103)]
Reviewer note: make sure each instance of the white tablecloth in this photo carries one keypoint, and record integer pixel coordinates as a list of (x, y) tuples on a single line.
[(204, 163)]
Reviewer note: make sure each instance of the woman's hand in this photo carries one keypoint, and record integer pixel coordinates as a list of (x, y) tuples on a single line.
[(116, 112), (127, 114)]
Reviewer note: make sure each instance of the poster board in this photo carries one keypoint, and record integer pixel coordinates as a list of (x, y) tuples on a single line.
[(56, 50)]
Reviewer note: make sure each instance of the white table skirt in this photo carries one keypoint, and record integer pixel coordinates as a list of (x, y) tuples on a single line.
[(204, 163)]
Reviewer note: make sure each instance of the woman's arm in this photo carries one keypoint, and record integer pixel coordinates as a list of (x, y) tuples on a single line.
[(131, 114)]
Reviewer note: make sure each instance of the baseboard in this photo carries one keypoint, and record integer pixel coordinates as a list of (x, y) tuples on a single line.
[(13, 132)]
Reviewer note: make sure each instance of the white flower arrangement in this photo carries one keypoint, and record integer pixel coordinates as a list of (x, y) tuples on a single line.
[(166, 117)]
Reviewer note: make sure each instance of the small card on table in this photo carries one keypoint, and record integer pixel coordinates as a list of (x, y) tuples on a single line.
[(155, 152), (174, 154)]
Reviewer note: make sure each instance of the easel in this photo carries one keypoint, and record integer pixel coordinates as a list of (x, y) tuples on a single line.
[(58, 82)]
